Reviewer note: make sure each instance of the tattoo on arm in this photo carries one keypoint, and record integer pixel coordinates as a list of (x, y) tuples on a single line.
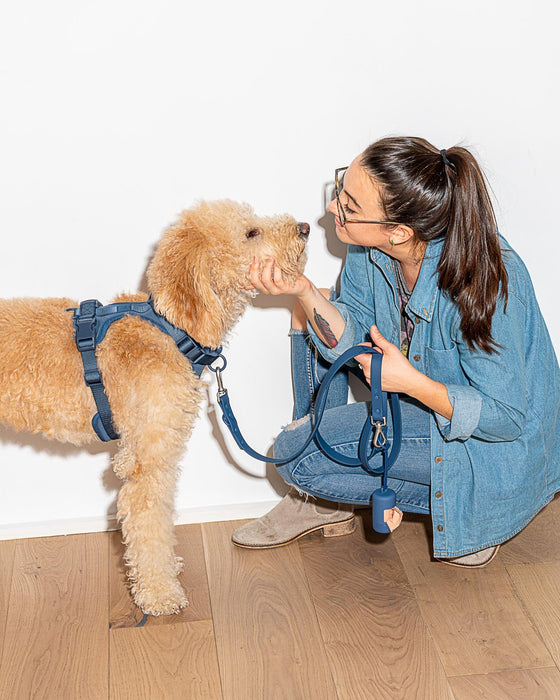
[(324, 329)]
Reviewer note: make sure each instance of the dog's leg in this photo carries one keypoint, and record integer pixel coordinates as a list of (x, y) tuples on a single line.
[(145, 510), (154, 397)]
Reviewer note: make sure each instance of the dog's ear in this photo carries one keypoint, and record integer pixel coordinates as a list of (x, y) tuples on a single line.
[(180, 281)]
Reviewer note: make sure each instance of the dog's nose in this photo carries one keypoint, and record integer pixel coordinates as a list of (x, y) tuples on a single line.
[(303, 229)]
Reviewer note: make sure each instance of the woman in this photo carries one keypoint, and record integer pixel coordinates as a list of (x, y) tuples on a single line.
[(452, 308)]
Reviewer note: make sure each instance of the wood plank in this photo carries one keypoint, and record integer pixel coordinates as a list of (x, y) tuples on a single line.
[(539, 541), (267, 635), (538, 586), (165, 661), (56, 642), (474, 615), (536, 684), (7, 553), (124, 613), (377, 642)]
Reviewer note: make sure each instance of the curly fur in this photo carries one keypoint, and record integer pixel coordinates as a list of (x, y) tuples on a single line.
[(197, 279)]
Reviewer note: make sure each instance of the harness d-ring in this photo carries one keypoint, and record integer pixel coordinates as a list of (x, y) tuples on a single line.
[(218, 369)]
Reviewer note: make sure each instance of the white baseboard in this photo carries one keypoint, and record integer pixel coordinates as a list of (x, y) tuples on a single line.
[(198, 514)]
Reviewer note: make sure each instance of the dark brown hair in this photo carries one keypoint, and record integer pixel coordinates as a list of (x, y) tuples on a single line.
[(445, 196)]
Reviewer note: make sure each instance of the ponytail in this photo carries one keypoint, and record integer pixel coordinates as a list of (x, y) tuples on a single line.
[(471, 269), (443, 194)]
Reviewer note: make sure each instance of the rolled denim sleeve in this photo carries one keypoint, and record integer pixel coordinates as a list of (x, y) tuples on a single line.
[(355, 304), (467, 405)]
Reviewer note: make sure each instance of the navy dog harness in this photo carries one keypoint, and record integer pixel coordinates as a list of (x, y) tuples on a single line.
[(91, 322)]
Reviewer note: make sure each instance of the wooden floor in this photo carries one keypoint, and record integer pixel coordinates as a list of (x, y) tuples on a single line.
[(361, 616)]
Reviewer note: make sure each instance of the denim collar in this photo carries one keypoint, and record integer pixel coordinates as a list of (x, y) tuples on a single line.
[(423, 298)]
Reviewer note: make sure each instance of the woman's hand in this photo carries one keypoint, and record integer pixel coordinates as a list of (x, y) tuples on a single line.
[(397, 374), (266, 277)]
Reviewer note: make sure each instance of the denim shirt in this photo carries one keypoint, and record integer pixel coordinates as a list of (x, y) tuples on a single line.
[(496, 463)]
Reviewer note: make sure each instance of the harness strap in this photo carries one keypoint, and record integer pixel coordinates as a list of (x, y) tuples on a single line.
[(86, 342), (92, 320), (198, 355)]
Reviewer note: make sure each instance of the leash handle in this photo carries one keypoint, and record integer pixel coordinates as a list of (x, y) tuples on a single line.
[(373, 428)]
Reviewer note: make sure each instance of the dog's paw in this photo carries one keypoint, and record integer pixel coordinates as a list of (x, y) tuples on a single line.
[(161, 601), (179, 565)]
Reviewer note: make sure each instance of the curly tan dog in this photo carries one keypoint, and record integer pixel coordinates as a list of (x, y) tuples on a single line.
[(197, 279)]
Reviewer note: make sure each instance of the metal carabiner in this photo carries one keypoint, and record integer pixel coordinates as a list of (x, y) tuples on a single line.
[(221, 390), (379, 439)]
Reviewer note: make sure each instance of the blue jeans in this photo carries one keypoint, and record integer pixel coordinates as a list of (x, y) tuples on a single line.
[(314, 473)]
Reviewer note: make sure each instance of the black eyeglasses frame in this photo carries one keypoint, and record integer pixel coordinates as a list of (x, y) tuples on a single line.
[(341, 214)]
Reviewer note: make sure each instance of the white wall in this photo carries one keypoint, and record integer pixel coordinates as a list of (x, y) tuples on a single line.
[(117, 115)]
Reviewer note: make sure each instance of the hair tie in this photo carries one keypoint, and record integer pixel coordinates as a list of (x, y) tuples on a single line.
[(443, 154)]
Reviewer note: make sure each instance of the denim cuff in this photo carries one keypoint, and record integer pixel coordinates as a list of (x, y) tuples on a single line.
[(347, 340), (467, 405)]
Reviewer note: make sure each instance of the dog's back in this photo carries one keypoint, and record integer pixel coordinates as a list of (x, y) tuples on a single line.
[(41, 375)]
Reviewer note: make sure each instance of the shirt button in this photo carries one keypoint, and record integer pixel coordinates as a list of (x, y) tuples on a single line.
[(416, 320), (416, 358), (439, 494), (437, 460), (440, 528)]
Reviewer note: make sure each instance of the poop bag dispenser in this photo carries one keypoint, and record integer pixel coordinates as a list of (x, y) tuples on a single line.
[(383, 499)]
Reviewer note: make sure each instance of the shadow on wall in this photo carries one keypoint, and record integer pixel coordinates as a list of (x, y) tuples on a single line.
[(40, 444), (218, 432)]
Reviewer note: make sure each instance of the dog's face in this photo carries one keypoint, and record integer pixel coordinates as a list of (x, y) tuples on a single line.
[(199, 272)]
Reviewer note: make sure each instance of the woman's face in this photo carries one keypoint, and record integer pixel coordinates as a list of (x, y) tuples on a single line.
[(360, 199)]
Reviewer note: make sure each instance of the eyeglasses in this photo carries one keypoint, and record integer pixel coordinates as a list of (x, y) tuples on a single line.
[(338, 189)]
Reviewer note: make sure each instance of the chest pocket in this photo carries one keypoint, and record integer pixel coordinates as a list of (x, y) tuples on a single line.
[(443, 366)]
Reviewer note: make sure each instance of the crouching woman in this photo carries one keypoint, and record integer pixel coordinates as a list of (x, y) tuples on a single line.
[(430, 282)]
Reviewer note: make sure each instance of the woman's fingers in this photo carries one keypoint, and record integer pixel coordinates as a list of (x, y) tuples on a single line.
[(266, 276), (364, 361), (254, 276)]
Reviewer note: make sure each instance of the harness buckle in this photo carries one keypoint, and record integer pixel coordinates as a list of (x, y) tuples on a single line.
[(86, 342), (84, 321), (92, 376)]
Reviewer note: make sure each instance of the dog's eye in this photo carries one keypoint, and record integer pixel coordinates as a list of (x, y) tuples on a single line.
[(253, 233)]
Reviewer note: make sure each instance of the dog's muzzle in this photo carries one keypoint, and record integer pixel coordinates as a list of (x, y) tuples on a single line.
[(303, 230)]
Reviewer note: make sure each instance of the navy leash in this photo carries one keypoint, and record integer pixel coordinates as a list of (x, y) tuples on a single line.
[(92, 320), (373, 438)]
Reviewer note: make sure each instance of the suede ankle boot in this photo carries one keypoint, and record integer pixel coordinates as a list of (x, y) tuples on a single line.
[(294, 517), (476, 560)]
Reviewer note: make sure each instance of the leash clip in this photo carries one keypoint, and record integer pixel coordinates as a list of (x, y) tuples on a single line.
[(221, 390), (379, 439)]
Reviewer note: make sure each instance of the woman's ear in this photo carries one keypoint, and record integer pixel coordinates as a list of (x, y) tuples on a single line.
[(400, 234), (179, 279)]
